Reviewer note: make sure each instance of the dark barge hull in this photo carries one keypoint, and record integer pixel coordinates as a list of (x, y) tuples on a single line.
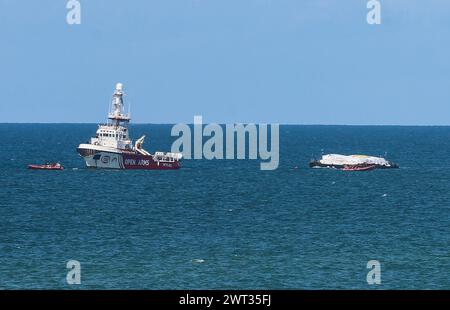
[(318, 164)]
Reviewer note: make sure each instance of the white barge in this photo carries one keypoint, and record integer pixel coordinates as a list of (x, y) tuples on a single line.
[(339, 161)]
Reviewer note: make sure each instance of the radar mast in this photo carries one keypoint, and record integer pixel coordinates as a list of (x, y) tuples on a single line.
[(117, 115)]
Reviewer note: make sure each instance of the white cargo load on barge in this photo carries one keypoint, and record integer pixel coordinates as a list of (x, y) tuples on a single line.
[(339, 161)]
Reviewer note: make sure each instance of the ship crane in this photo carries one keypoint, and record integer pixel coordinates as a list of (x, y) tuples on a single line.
[(138, 146)]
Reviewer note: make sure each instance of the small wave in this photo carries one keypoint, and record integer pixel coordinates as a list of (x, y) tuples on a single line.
[(198, 260)]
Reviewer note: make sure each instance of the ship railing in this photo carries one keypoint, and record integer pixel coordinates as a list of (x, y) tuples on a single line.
[(170, 157)]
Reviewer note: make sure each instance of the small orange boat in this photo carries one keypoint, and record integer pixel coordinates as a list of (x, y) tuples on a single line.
[(55, 166), (358, 168)]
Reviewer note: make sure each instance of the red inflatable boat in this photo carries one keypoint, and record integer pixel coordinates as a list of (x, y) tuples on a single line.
[(56, 166), (358, 168)]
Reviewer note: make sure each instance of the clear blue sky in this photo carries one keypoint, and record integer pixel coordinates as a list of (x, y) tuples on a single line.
[(285, 61)]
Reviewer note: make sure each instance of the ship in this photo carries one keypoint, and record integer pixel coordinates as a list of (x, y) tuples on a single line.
[(112, 147), (339, 161)]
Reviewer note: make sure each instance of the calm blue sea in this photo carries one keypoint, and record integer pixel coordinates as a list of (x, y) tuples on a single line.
[(225, 224)]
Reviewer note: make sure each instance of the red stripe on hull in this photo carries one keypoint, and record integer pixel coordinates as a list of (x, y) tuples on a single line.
[(146, 162)]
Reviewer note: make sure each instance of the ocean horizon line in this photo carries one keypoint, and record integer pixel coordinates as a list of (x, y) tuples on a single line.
[(221, 123)]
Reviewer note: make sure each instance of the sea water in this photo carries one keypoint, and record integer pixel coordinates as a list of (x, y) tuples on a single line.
[(225, 224)]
